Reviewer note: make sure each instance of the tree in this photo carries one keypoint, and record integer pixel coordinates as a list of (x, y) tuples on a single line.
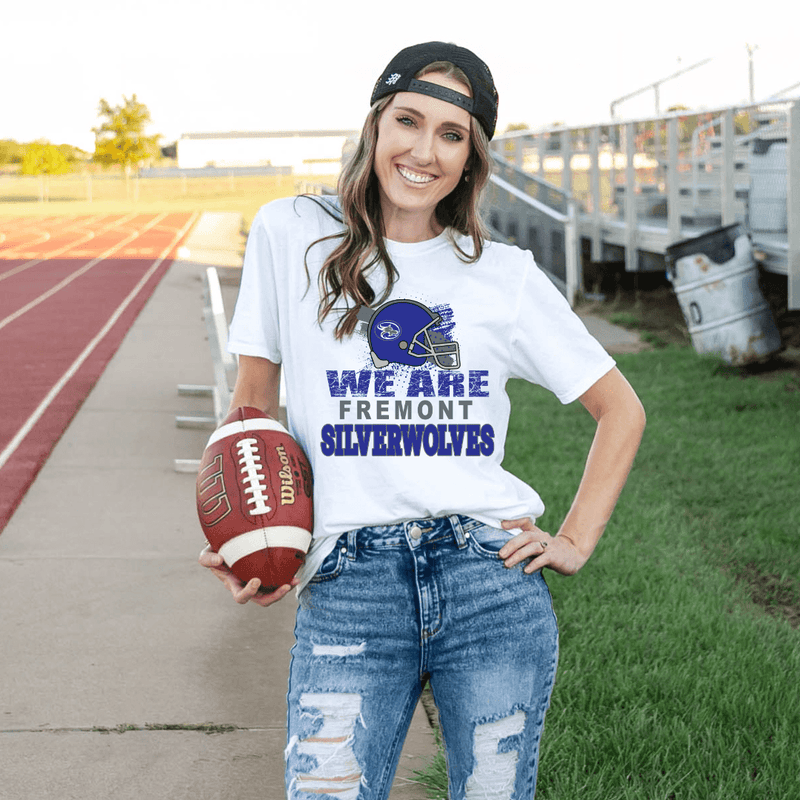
[(44, 159), (10, 152), (121, 139)]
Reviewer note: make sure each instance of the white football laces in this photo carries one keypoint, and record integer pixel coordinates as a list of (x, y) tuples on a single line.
[(253, 476)]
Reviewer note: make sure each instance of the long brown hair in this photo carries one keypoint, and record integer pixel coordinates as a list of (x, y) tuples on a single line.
[(362, 243)]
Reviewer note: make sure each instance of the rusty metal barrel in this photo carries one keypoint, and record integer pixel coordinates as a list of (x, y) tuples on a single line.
[(715, 279)]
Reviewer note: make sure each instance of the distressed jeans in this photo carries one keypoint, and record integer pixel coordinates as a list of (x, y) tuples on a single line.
[(394, 606)]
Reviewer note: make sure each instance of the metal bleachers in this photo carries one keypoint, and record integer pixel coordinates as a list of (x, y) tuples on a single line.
[(687, 172)]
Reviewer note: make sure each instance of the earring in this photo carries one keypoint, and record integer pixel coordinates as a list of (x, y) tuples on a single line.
[(466, 177)]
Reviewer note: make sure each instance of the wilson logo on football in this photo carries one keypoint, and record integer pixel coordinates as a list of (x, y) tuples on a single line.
[(285, 474)]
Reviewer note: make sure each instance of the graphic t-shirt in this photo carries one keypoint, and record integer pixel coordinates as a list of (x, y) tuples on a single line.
[(407, 418)]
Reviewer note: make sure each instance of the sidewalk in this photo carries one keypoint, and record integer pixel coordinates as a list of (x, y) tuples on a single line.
[(108, 622), (614, 338)]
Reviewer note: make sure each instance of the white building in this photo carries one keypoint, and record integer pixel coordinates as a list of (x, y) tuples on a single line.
[(306, 152)]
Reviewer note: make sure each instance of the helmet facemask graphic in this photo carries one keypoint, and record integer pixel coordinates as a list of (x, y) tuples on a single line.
[(401, 332)]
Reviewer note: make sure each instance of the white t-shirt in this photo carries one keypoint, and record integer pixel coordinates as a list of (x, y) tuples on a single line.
[(392, 434)]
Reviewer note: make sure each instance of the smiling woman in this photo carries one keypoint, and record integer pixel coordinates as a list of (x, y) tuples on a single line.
[(422, 154), (399, 323)]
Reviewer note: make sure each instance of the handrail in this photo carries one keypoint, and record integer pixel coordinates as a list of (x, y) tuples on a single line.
[(545, 209), (217, 329), (534, 192), (223, 363), (771, 102), (524, 180)]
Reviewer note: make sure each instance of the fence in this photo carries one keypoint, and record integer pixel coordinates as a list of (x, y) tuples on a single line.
[(642, 185), (152, 186)]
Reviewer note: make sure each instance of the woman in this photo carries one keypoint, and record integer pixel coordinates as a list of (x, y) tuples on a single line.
[(398, 325)]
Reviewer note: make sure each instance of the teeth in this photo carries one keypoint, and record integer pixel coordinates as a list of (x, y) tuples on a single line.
[(413, 177)]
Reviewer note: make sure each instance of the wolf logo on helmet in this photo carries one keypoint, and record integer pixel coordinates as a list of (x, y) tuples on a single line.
[(401, 332)]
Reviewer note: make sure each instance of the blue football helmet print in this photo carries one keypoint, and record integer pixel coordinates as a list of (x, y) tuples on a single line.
[(400, 332)]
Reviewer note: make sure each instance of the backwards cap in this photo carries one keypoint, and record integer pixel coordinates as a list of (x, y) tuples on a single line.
[(399, 77)]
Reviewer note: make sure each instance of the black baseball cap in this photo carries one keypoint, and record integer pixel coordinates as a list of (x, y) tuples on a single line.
[(399, 77)]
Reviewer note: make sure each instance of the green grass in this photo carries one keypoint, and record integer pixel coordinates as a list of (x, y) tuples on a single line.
[(626, 319), (678, 668)]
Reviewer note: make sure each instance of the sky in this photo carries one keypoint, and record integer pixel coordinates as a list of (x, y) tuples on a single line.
[(262, 65)]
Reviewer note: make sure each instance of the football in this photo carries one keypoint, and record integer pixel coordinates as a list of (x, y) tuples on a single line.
[(254, 498)]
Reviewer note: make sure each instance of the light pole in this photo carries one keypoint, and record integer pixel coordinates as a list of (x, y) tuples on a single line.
[(751, 48)]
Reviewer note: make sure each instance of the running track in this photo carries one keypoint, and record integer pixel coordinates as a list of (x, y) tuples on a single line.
[(70, 288)]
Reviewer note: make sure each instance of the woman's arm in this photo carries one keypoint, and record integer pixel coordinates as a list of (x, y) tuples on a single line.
[(620, 423), (257, 385)]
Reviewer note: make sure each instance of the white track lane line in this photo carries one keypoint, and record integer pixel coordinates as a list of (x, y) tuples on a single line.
[(87, 237), (40, 238), (77, 274), (87, 351), (32, 227)]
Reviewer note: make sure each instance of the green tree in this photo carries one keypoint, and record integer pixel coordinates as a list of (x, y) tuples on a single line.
[(43, 158), (10, 152), (120, 138)]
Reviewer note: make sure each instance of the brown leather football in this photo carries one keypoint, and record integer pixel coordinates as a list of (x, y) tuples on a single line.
[(254, 498)]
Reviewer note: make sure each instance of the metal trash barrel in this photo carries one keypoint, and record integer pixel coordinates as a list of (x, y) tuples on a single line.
[(716, 281)]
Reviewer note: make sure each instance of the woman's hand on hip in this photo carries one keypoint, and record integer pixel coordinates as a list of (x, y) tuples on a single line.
[(558, 553), (242, 592)]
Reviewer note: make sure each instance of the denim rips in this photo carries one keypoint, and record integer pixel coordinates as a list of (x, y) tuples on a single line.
[(394, 606)]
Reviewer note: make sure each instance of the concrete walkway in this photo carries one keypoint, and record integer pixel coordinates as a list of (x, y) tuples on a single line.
[(614, 338), (126, 670)]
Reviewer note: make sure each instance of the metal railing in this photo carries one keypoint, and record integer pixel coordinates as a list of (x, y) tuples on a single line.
[(643, 185), (527, 211), (223, 364)]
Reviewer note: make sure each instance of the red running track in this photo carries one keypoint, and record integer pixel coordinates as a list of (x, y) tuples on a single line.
[(70, 288)]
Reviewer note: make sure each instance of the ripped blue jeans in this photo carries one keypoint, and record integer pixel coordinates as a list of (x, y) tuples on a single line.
[(394, 606)]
